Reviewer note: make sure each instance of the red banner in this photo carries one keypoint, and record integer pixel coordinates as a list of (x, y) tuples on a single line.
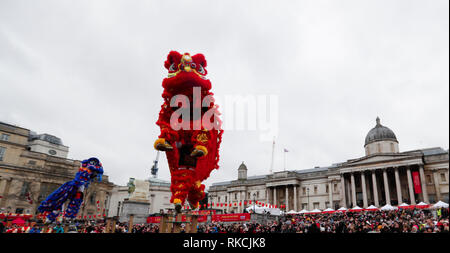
[(204, 218), (157, 219), (231, 217), (416, 180), (204, 212)]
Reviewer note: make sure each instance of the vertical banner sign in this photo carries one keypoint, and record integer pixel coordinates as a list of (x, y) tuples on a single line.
[(416, 180)]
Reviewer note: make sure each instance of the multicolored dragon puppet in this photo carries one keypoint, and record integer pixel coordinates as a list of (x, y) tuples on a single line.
[(72, 191), (190, 127)]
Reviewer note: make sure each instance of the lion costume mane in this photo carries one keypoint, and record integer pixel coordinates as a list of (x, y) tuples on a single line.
[(193, 150)]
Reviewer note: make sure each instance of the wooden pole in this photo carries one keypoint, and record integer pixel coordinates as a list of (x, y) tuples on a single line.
[(108, 225), (114, 226), (130, 224), (163, 224), (176, 224), (193, 225)]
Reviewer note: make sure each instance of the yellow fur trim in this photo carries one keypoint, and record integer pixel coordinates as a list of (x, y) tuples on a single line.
[(177, 201), (202, 148), (198, 184), (159, 141), (202, 138)]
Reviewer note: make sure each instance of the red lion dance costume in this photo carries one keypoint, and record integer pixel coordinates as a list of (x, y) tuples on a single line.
[(190, 127)]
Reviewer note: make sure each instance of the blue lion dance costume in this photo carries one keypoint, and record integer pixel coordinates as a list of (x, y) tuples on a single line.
[(72, 191)]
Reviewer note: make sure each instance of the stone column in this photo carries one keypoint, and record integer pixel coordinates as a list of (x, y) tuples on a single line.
[(386, 187), (398, 186), (295, 198), (424, 185), (343, 199), (229, 201), (352, 178), (364, 189), (287, 197), (239, 200), (412, 199), (330, 194), (267, 195), (375, 188), (274, 196), (436, 185)]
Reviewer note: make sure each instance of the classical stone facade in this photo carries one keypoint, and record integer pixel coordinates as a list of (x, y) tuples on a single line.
[(29, 172), (383, 176)]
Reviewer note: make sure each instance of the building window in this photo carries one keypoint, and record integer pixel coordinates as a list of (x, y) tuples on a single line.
[(235, 196), (92, 199), (429, 180), (304, 190), (4, 137), (335, 188), (327, 204), (304, 206), (25, 189), (379, 147), (316, 205), (46, 189), (392, 148), (327, 189), (443, 179), (257, 194), (315, 189), (249, 194), (2, 153), (19, 210)]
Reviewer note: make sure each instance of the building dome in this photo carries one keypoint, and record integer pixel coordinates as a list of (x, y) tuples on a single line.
[(381, 139), (380, 133)]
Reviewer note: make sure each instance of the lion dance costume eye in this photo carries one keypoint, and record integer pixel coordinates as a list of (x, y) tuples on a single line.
[(192, 152), (72, 191)]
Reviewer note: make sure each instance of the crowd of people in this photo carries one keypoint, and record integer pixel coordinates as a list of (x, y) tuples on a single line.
[(398, 221)]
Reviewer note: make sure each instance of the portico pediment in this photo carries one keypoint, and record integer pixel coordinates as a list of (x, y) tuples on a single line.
[(380, 159)]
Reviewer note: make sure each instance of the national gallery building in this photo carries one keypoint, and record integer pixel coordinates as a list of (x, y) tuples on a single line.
[(383, 176)]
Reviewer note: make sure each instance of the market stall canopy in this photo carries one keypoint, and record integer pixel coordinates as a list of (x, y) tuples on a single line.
[(405, 206), (371, 208), (18, 221), (262, 210), (304, 211), (315, 211), (388, 208), (422, 205), (342, 209), (329, 210), (292, 212), (440, 204), (356, 209)]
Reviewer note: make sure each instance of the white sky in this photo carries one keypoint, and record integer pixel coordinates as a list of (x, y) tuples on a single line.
[(90, 72)]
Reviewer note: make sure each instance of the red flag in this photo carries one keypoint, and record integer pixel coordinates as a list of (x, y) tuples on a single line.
[(417, 185)]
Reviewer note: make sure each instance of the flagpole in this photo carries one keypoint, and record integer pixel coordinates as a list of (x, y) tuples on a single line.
[(273, 153), (284, 160)]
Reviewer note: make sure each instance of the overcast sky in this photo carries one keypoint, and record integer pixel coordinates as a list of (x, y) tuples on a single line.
[(90, 72)]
